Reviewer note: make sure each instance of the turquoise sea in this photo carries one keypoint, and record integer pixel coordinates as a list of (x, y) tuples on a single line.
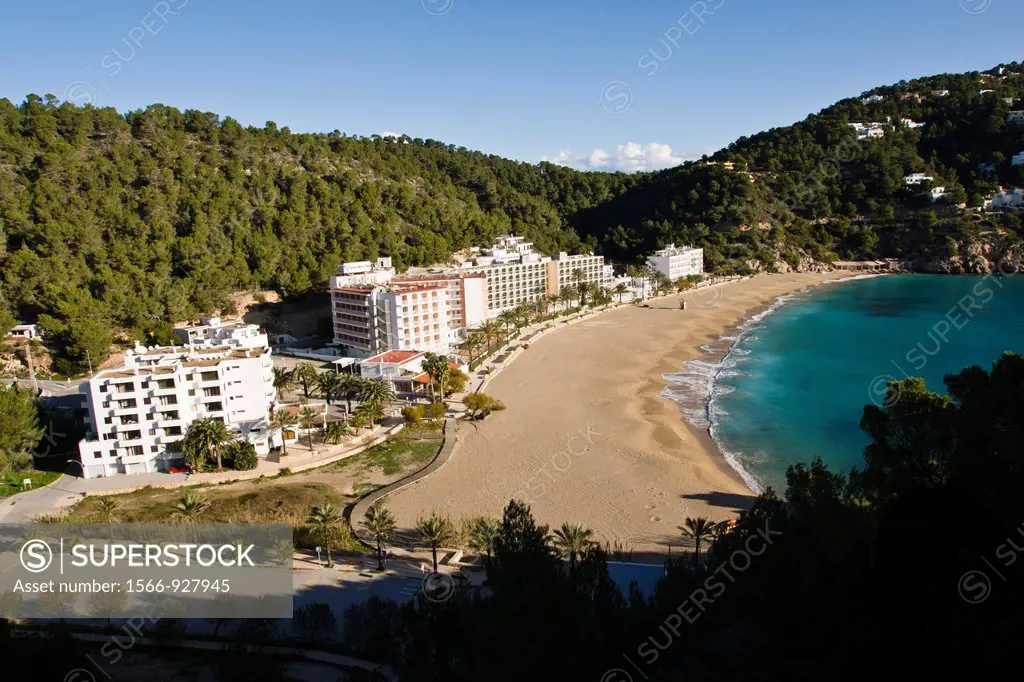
[(792, 382)]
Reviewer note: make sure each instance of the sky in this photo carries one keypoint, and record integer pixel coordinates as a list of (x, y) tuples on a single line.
[(594, 84)]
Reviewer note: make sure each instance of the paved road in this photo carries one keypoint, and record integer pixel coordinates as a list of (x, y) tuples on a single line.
[(24, 507)]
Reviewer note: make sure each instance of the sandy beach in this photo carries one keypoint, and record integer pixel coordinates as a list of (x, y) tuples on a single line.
[(586, 437)]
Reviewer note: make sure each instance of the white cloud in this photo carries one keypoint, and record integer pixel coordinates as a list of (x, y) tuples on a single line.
[(630, 157)]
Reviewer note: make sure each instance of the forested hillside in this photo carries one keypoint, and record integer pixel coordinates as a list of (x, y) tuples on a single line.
[(120, 221)]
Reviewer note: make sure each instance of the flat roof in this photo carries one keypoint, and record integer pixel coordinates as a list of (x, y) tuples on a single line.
[(396, 357)]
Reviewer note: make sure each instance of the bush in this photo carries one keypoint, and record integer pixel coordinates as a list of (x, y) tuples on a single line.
[(435, 411), (242, 456), (413, 413)]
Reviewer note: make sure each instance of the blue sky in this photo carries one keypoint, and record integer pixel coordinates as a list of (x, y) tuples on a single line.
[(630, 84)]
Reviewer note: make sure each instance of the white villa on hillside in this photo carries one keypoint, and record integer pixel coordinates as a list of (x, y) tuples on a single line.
[(1015, 116), (1017, 160), (871, 99), (1006, 199), (139, 412), (937, 193), (675, 262), (917, 179)]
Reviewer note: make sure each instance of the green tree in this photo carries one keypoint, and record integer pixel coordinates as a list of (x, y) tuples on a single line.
[(306, 376), (435, 532), (483, 536), (19, 428), (189, 507), (325, 521), (377, 395), (283, 420), (309, 421), (698, 529), (380, 523), (329, 384), (206, 439), (572, 540)]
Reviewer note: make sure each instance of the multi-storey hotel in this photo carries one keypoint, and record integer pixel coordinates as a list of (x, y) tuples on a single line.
[(139, 412), (434, 312), (431, 313), (676, 262)]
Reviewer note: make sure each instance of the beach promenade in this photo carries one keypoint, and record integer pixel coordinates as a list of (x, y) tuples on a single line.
[(586, 437)]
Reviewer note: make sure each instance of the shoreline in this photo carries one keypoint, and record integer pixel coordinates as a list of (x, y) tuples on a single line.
[(718, 353), (588, 435)]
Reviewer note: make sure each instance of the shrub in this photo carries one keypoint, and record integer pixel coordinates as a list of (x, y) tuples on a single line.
[(243, 456), (413, 413), (435, 411)]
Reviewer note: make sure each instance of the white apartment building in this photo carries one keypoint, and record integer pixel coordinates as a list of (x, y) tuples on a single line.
[(517, 274), (213, 331), (363, 272), (467, 299), (372, 319), (139, 412), (675, 262), (562, 269), (917, 179)]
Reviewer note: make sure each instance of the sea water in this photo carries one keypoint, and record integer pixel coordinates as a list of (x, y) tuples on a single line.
[(792, 382)]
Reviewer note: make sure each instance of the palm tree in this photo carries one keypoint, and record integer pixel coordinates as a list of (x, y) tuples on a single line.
[(484, 535), (305, 375), (437, 367), (579, 278), (309, 419), (325, 519), (349, 388), (334, 432), (283, 380), (189, 507), (567, 296), (380, 522), (107, 508), (435, 531), (205, 438), (541, 306), (572, 540), (472, 342), (329, 384), (377, 395), (507, 318), (491, 331), (282, 420), (621, 290), (283, 552), (698, 529)]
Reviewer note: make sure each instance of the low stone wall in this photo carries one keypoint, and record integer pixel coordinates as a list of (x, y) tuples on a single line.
[(238, 476), (358, 510)]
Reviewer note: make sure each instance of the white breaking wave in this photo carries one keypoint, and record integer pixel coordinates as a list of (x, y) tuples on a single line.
[(698, 388)]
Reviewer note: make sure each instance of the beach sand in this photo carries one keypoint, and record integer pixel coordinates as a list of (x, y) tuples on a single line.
[(586, 437)]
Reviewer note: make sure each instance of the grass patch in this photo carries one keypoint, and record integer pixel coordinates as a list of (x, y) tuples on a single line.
[(411, 449), (11, 483), (287, 503)]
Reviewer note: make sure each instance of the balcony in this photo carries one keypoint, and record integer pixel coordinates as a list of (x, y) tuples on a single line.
[(125, 411)]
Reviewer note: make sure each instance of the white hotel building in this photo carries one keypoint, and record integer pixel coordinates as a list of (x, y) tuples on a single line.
[(375, 311), (139, 412), (676, 262)]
